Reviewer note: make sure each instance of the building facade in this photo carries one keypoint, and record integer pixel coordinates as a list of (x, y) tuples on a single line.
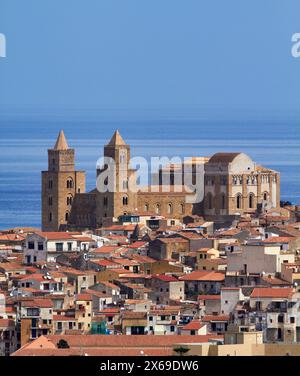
[(231, 183)]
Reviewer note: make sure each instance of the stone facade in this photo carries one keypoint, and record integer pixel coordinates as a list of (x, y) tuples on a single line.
[(232, 184), (60, 184)]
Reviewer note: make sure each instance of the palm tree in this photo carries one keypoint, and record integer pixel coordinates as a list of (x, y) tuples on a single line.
[(181, 350)]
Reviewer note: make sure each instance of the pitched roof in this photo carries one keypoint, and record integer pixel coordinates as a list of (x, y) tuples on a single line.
[(202, 275), (61, 142), (193, 325), (165, 278), (271, 292), (116, 139)]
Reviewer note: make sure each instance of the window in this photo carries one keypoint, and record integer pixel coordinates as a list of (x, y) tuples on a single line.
[(146, 207), (105, 201), (59, 247), (50, 184), (238, 201), (34, 258), (265, 196), (223, 201), (30, 245), (170, 208), (172, 328), (181, 208), (209, 200), (70, 183), (150, 318), (67, 216), (33, 312), (292, 320), (69, 246), (251, 200), (69, 200), (50, 217), (125, 200), (40, 246), (157, 209), (50, 201)]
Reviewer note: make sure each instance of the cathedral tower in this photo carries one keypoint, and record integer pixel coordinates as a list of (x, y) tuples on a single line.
[(110, 205), (59, 185)]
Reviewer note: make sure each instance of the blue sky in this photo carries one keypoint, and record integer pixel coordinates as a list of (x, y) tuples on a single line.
[(214, 56)]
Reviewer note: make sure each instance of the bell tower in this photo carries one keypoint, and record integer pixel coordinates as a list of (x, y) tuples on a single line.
[(60, 184), (121, 201)]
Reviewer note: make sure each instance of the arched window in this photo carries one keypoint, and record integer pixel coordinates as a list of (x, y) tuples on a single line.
[(50, 201), (170, 208), (251, 200), (69, 200), (146, 207), (50, 217), (70, 183), (50, 184), (125, 200), (67, 216), (265, 196), (157, 208), (223, 201), (125, 184), (209, 200), (181, 208), (238, 201)]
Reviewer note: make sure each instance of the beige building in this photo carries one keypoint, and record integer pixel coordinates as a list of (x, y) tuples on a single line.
[(229, 183)]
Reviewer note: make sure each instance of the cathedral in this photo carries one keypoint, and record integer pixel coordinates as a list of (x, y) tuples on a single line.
[(232, 184)]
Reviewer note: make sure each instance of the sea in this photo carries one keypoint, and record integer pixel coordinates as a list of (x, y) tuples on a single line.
[(24, 144)]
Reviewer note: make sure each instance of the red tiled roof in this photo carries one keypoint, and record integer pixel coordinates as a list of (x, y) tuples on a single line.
[(202, 275), (38, 302), (165, 278), (57, 235), (84, 297), (272, 292), (193, 325)]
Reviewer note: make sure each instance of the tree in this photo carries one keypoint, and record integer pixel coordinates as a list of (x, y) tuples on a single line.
[(181, 350), (63, 344)]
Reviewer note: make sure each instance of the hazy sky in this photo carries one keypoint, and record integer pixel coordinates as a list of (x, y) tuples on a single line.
[(233, 55)]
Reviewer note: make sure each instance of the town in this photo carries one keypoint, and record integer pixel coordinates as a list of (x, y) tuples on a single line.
[(149, 273)]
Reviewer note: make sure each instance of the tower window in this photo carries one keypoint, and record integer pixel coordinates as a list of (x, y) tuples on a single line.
[(265, 196), (70, 183), (69, 200), (67, 216), (105, 201), (125, 200), (50, 217), (50, 184), (50, 201)]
